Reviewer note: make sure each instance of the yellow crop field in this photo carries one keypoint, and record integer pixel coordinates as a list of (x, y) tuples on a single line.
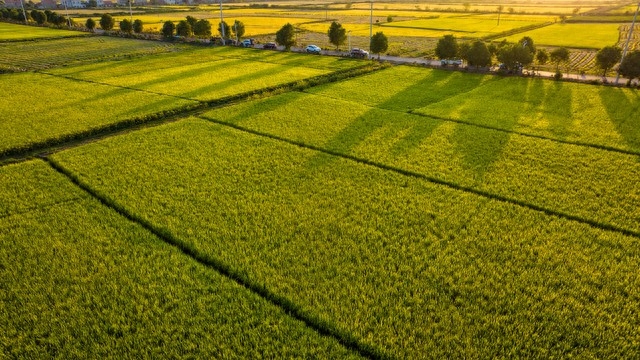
[(590, 35)]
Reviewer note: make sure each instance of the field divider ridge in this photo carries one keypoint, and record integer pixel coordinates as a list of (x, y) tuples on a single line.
[(19, 153), (321, 326), (487, 127), (448, 184)]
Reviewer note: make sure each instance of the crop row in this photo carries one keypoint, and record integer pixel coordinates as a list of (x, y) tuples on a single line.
[(569, 112), (79, 280), (409, 268), (36, 55), (589, 183)]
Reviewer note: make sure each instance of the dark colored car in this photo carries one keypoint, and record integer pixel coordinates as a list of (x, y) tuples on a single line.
[(359, 53), (270, 45)]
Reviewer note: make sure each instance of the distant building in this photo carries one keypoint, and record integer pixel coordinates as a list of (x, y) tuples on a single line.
[(72, 4), (49, 4), (12, 3), (107, 3)]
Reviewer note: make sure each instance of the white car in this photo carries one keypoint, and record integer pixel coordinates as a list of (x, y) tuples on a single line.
[(313, 49)]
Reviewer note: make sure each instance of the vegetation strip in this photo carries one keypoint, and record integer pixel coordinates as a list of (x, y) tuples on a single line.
[(321, 326), (449, 184), (73, 139)]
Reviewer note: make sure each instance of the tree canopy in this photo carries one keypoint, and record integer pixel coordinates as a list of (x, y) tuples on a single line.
[(107, 22), (558, 56), (184, 29), (126, 26), (202, 28), (337, 34), (542, 56), (630, 66), (168, 28), (286, 36), (514, 56), (138, 26), (379, 43), (608, 57), (90, 24), (238, 28), (223, 29), (447, 47), (478, 54)]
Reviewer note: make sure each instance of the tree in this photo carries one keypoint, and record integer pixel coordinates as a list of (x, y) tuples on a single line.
[(138, 26), (184, 29), (558, 56), (493, 49), (223, 29), (528, 43), (563, 18), (90, 24), (168, 29), (202, 28), (337, 34), (389, 18), (607, 57), (478, 54), (192, 21), (542, 56), (447, 47), (514, 56), (126, 26), (39, 16), (238, 28), (286, 36), (463, 50), (107, 22), (630, 66), (379, 43), (467, 6)]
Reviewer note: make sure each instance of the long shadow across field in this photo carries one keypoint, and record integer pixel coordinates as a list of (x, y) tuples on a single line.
[(623, 108)]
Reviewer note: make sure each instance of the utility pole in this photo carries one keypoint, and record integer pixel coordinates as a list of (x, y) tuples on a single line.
[(130, 12), (349, 37), (370, 25), (221, 23), (626, 45), (67, 11), (26, 22)]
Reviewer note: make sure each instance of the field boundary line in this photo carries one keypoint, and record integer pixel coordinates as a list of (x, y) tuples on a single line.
[(20, 153), (487, 127), (316, 323), (448, 184)]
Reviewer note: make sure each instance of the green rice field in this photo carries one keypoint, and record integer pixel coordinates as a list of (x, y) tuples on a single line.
[(585, 35), (14, 32), (188, 201)]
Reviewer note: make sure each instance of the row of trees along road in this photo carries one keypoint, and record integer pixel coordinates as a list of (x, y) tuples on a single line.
[(201, 28), (521, 54), (337, 34), (38, 16)]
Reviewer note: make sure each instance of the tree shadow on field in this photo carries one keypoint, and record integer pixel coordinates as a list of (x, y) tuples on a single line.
[(235, 81), (557, 108), (254, 109), (623, 108), (479, 148), (407, 133)]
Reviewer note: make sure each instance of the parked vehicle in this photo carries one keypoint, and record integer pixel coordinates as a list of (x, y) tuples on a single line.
[(247, 43), (359, 53), (313, 49), (454, 62), (270, 45)]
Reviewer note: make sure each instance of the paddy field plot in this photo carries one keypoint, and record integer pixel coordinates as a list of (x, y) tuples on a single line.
[(585, 35), (64, 107), (398, 263), (591, 115), (80, 280), (37, 55), (15, 32)]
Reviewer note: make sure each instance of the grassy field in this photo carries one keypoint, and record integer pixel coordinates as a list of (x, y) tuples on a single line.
[(37, 55), (90, 283), (594, 36), (14, 32), (597, 116), (71, 107), (142, 88), (401, 264)]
